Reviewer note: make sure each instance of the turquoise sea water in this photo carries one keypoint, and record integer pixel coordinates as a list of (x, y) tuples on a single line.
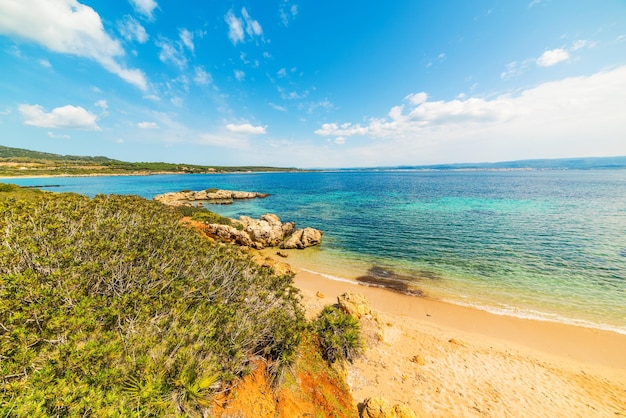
[(543, 244)]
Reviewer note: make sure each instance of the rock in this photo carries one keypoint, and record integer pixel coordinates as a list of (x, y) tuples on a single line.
[(229, 234), (377, 407), (264, 232), (282, 254), (303, 238), (320, 295), (403, 411), (185, 198), (279, 267), (354, 304)]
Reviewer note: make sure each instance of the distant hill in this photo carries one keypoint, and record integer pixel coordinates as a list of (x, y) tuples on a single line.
[(23, 162), (539, 164)]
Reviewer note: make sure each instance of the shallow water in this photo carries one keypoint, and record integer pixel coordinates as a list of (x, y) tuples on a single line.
[(542, 244)]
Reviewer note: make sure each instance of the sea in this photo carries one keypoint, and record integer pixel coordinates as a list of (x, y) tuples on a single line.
[(542, 244)]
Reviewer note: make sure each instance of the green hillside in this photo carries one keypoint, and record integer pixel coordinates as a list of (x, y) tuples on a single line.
[(22, 162)]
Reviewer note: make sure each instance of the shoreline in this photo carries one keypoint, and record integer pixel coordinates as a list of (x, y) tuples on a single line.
[(565, 341), (443, 359), (562, 342)]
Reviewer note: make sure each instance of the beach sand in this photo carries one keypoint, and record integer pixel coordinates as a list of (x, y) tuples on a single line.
[(446, 360)]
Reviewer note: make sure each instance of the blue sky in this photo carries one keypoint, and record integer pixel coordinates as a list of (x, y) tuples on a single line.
[(314, 84)]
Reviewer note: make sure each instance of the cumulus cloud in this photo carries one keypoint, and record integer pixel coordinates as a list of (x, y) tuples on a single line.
[(577, 116), (148, 125), (238, 27), (132, 30), (67, 27), (246, 128), (552, 57), (66, 117), (145, 7), (239, 75)]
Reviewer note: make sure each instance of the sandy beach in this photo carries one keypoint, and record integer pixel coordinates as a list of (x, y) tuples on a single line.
[(447, 360)]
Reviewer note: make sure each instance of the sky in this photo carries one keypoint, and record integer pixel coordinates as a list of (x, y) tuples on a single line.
[(314, 84)]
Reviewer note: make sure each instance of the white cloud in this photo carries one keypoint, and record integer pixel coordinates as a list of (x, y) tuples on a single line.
[(581, 43), (277, 107), (67, 27), (66, 117), (239, 75), (171, 52), (246, 128), (235, 28), (102, 104), (572, 117), (253, 27), (552, 57), (287, 12), (340, 140), (238, 27), (145, 7), (187, 39), (282, 73), (148, 125), (57, 136), (322, 104), (201, 77), (177, 101), (45, 63), (132, 30), (417, 98)]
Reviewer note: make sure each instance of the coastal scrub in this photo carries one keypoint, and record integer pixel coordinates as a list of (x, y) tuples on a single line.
[(109, 306)]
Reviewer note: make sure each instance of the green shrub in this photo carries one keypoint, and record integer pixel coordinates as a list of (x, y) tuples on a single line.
[(110, 307), (339, 335)]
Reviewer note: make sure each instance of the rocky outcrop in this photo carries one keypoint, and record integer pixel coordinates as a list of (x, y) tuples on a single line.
[(267, 231), (303, 238), (354, 304), (377, 407), (228, 233), (185, 198)]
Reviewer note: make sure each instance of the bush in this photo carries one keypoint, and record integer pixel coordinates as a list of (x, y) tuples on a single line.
[(110, 307), (339, 335)]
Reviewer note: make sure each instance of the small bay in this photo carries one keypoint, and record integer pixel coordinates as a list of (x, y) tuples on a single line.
[(543, 244)]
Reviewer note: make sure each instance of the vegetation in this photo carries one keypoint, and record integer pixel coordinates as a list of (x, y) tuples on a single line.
[(339, 335), (110, 307), (21, 162)]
